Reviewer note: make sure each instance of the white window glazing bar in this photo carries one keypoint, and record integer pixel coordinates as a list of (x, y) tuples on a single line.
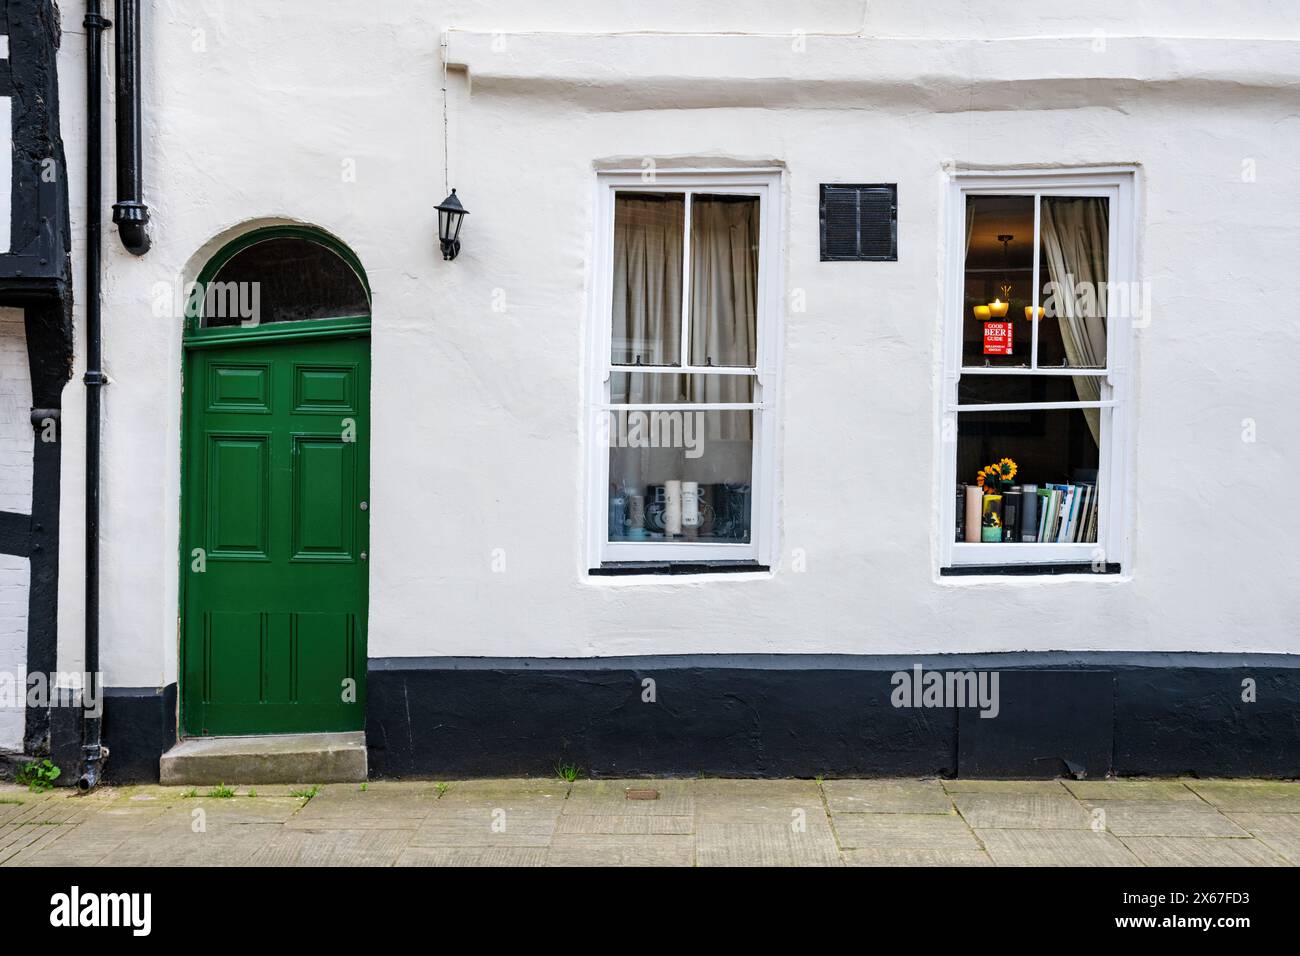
[(1029, 407), (702, 407), (686, 369), (1059, 371)]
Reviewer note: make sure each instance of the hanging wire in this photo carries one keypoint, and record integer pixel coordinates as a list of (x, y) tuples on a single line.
[(446, 178)]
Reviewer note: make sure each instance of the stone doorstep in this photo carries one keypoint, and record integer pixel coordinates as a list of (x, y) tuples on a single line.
[(278, 758)]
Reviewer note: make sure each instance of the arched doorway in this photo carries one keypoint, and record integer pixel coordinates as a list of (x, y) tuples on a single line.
[(275, 480)]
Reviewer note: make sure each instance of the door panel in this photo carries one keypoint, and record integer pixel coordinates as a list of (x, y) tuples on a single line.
[(241, 388), (239, 493), (327, 390), (324, 498), (276, 471)]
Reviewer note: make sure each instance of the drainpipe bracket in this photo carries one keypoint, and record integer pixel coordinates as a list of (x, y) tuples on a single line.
[(130, 211), (95, 21), (95, 378), (131, 217)]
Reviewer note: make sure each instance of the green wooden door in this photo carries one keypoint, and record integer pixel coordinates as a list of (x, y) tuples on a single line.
[(274, 537)]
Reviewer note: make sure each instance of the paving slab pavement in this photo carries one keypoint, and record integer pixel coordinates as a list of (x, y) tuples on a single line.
[(1150, 818), (887, 796), (704, 822), (1011, 847)]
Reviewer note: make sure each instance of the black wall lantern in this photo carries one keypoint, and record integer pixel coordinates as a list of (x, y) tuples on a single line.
[(450, 215)]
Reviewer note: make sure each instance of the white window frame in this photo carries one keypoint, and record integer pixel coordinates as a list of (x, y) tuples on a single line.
[(1119, 185), (765, 183)]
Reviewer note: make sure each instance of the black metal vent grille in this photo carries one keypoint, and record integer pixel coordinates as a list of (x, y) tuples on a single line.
[(859, 223)]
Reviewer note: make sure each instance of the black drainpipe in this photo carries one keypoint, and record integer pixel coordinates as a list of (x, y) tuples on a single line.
[(129, 212), (92, 752)]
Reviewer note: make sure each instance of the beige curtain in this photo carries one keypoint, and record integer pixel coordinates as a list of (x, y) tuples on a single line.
[(647, 306), (1075, 241), (723, 301), (724, 305), (724, 281)]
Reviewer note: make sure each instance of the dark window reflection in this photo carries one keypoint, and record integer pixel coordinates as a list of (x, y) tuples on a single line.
[(1004, 389), (283, 280), (1053, 450), (999, 274)]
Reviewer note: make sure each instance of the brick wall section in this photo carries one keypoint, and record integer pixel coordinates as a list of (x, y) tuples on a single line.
[(15, 495), (15, 415), (13, 647)]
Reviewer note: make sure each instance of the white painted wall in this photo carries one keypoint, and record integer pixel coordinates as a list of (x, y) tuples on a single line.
[(16, 496), (253, 111)]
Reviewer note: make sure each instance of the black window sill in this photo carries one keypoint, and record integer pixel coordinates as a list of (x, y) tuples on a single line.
[(1080, 567), (612, 568)]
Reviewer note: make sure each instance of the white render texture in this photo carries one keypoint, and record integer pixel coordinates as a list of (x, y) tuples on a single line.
[(259, 113)]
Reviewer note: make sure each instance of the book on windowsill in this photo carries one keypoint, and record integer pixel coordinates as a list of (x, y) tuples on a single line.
[(1069, 513), (1011, 502), (1028, 529), (1049, 513)]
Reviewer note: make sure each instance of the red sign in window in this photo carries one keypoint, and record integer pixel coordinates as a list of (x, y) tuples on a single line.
[(997, 338)]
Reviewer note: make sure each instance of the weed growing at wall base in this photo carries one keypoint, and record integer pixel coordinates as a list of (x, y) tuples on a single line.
[(39, 775)]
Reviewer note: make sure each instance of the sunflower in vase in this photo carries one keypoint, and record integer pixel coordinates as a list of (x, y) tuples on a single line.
[(996, 478)]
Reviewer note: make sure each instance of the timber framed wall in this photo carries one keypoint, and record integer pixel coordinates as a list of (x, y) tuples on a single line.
[(36, 277)]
